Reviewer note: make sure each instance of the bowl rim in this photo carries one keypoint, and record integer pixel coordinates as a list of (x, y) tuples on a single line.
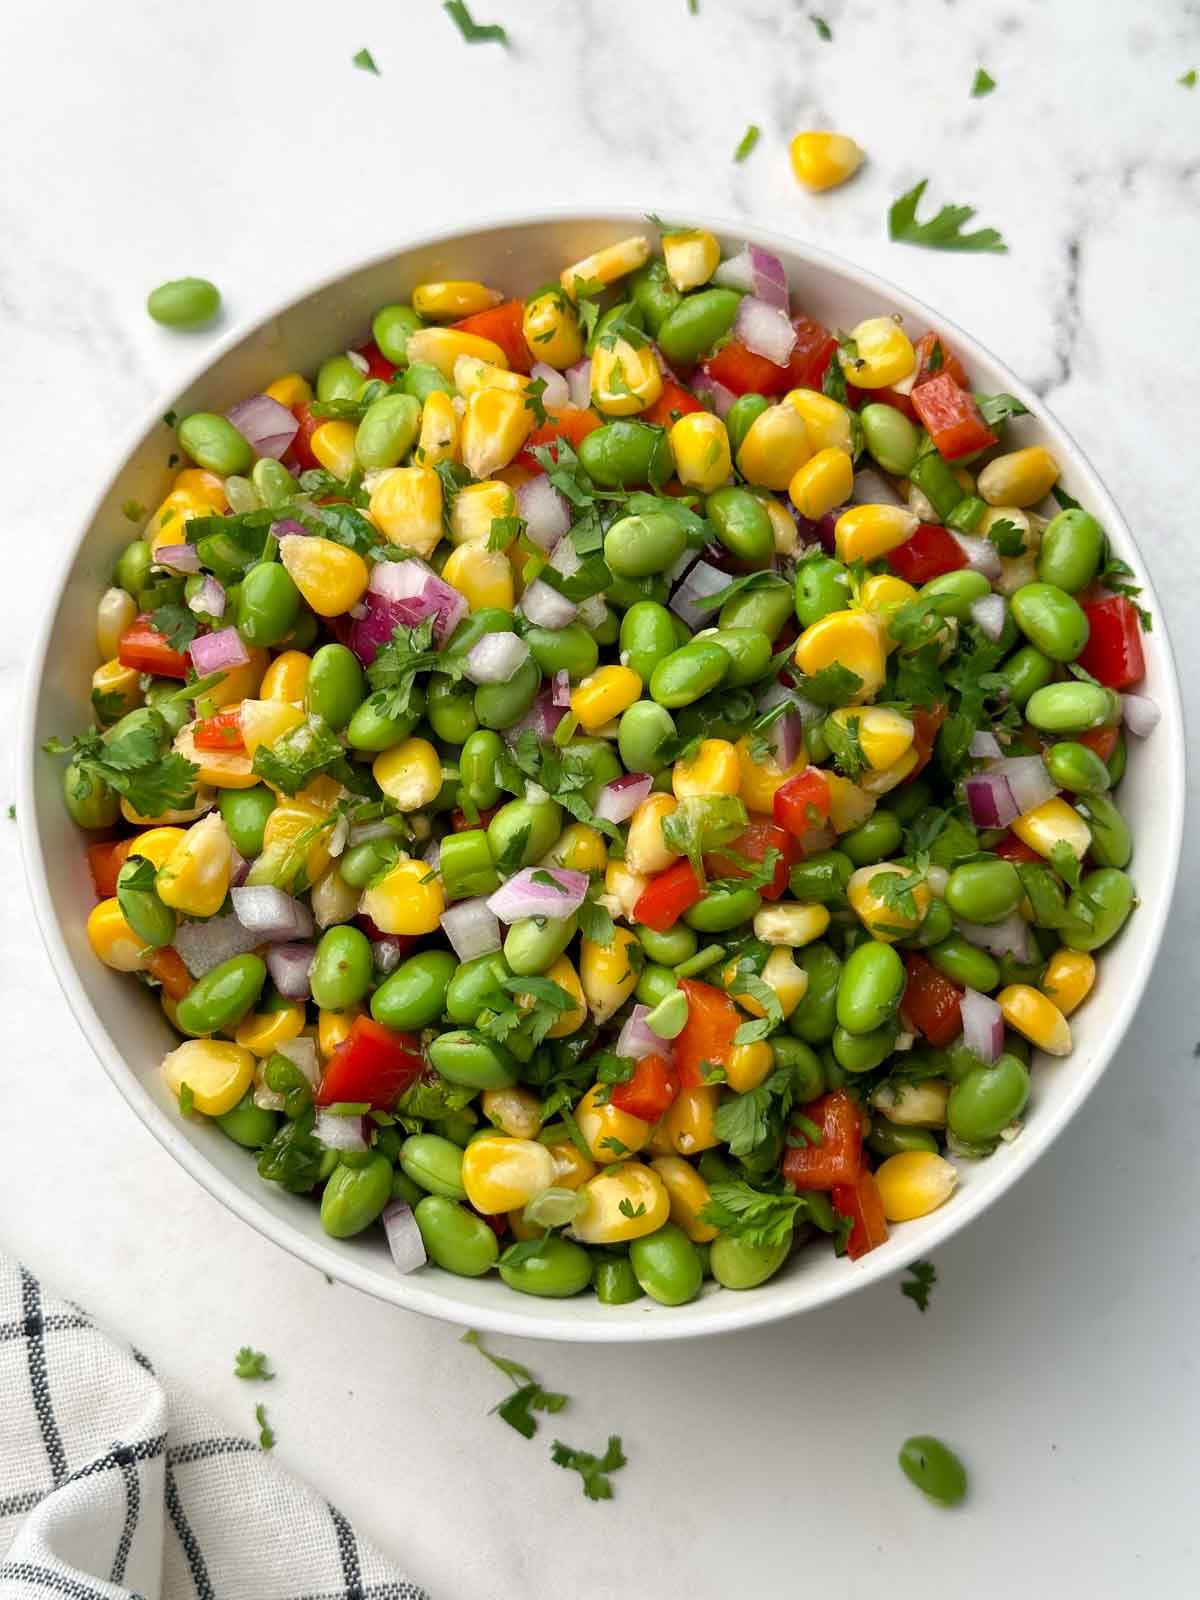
[(726, 1313)]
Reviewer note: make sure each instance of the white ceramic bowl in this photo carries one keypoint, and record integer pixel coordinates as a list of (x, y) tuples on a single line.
[(125, 1026)]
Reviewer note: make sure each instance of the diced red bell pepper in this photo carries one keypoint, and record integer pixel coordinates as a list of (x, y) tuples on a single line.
[(378, 365), (667, 896), (497, 1221), (1113, 654), (802, 802), (931, 1003), (502, 325), (861, 1201), (1102, 740), (223, 731), (461, 823), (707, 1036), (572, 423), (926, 721), (838, 1157), (811, 355), (759, 837), (166, 964), (651, 1090), (146, 650), (931, 551), (674, 402), (934, 356), (744, 372), (951, 417), (300, 448), (1010, 848), (897, 401), (105, 862), (372, 1064)]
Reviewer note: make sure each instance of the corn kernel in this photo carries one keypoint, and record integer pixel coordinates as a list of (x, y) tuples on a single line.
[(793, 925), (204, 801), (474, 509), (331, 577), (563, 973), (572, 1168), (1068, 979), (914, 1183), (625, 378), (883, 735), (603, 695), (483, 577), (887, 778), (688, 1194), (882, 354), (607, 265), (700, 449), (114, 679), (1021, 478), (785, 535), (516, 1111), (865, 533), (608, 974), (240, 682), (502, 1174), (333, 1028), (788, 981), (913, 1105), (1053, 822), (830, 425), (410, 774), (447, 302), (114, 613), (775, 448), (471, 374), (224, 769), (1036, 1017), (266, 722), (263, 1032), (759, 780), (194, 878), (291, 390), (690, 1121), (406, 505), (333, 445), (824, 482), (495, 425), (714, 769), (623, 888), (748, 1065), (852, 639), (609, 1133), (438, 438), (646, 851), (881, 594), (885, 919), (292, 818), (625, 1202), (112, 940), (441, 348), (217, 1072), (408, 900), (580, 848), (849, 804), (551, 329), (156, 844), (822, 160), (690, 257), (287, 677)]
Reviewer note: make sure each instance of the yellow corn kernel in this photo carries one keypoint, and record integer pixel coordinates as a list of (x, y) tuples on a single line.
[(194, 878), (1053, 822), (333, 1027), (829, 423), (515, 1111), (291, 390), (1036, 1017), (287, 677), (203, 489), (169, 521), (646, 851), (882, 354), (714, 769), (607, 973), (700, 450), (865, 533), (114, 679), (572, 1168), (291, 818), (784, 533), (794, 924), (884, 735), (114, 613), (333, 445), (224, 769), (323, 792), (609, 1133), (625, 378), (579, 847), (447, 302), (624, 1202), (410, 774), (495, 425), (263, 1032), (914, 1105), (775, 448), (881, 594), (1021, 478), (240, 682), (690, 1121), (604, 695), (330, 576), (884, 919), (914, 1183), (156, 844), (849, 804), (690, 257), (441, 347), (474, 509), (551, 329), (623, 888), (406, 505), (788, 981), (520, 1229), (503, 1174), (216, 1071), (1068, 979), (438, 438), (408, 900), (748, 1065), (823, 160), (658, 1144), (266, 722), (607, 265), (824, 482), (112, 939), (204, 801), (877, 783), (483, 577), (759, 780), (333, 899), (853, 639), (688, 1195), (563, 973), (471, 374)]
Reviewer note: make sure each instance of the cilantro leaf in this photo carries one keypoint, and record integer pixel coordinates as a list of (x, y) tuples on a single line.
[(177, 624), (252, 1365), (923, 1276), (749, 1121), (266, 1434), (299, 755), (364, 59), (824, 31), (1115, 575), (763, 1218), (594, 1470), (941, 232), (845, 743), (1188, 79), (528, 1395), (998, 408), (393, 673), (293, 1158), (187, 1100), (628, 1209), (832, 686), (595, 923), (747, 142), (474, 32), (1007, 537), (134, 762), (702, 822), (982, 83)]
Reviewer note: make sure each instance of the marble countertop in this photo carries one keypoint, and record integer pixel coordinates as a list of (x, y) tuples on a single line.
[(1059, 1351)]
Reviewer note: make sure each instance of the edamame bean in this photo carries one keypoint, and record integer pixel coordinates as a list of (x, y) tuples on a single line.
[(870, 987), (466, 865), (655, 984), (223, 996), (474, 986), (153, 922), (463, 1056), (749, 654), (132, 570), (355, 1196), (452, 707), (1051, 619), (479, 767), (695, 325), (242, 497), (803, 1065), (572, 650), (891, 1139), (645, 738), (522, 832), (615, 1282), (336, 686), (822, 586), (248, 1124), (654, 295), (666, 1265), (936, 925), (341, 969), (1107, 896), (643, 544), (273, 481), (1026, 671), (362, 862), (422, 378), (390, 330), (965, 964), (722, 909), (1116, 762), (934, 1468), (414, 996), (614, 321), (268, 605), (822, 878), (455, 1239), (212, 442), (1078, 768), (184, 302), (338, 379), (625, 592), (499, 705), (983, 891), (815, 1015), (403, 1188), (863, 1052), (686, 674), (1073, 707), (738, 1264), (742, 523), (765, 607), (434, 1163), (625, 453), (387, 431), (561, 1268), (1112, 844), (956, 592), (890, 437), (369, 729), (90, 801), (647, 637), (987, 1099), (1071, 551), (875, 839), (535, 943), (677, 945)]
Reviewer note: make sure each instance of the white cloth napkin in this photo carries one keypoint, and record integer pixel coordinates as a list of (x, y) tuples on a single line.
[(116, 1486)]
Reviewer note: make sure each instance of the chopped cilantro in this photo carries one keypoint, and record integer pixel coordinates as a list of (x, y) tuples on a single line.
[(982, 83), (594, 1470), (474, 32), (364, 59), (1115, 575), (528, 1396), (135, 763), (762, 1218), (266, 1434), (133, 510), (998, 408), (702, 822), (187, 1100), (393, 673), (747, 142), (177, 624), (595, 923), (628, 1209), (824, 31), (845, 743), (833, 686), (1188, 79), (299, 755), (923, 1278), (251, 1365), (941, 232), (749, 1121), (1007, 537)]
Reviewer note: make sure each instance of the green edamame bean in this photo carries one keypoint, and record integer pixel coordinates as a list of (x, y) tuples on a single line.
[(89, 800), (572, 650), (390, 329), (956, 592), (522, 832), (987, 1099), (890, 437), (1112, 844), (1074, 707), (422, 379), (1051, 619), (535, 943), (815, 1015), (184, 302), (696, 323), (341, 969), (934, 1468), (268, 604), (822, 877), (1014, 971), (765, 608), (749, 654), (338, 379), (499, 705), (466, 865), (742, 523), (643, 544), (645, 738), (890, 1139), (336, 685), (355, 1196), (678, 944), (936, 925), (667, 1265), (132, 571), (622, 454), (1026, 670), (965, 964), (741, 417), (479, 766), (615, 1283), (822, 586), (403, 1188), (625, 592), (647, 637), (1071, 551), (242, 497), (560, 1269), (722, 909), (387, 431), (273, 481), (247, 1124), (223, 996), (463, 1056), (1108, 896), (153, 922), (434, 1163), (1116, 762), (737, 1264), (875, 839), (414, 996), (303, 633), (655, 984), (1078, 768), (863, 1052), (455, 1239), (984, 891), (362, 862), (474, 986), (686, 674), (451, 707), (803, 1065), (870, 987), (212, 442), (654, 295), (458, 1126), (967, 514)]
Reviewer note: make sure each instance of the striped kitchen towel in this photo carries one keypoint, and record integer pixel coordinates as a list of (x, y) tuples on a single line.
[(116, 1486)]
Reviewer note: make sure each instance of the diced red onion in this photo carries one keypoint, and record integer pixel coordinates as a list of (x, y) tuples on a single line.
[(720, 398), (664, 366), (813, 840), (471, 928), (338, 1132), (178, 557), (989, 614), (565, 559), (239, 868), (204, 945), (982, 555), (418, 592), (636, 1040), (209, 598), (272, 914), (871, 488), (1030, 782), (266, 426), (1008, 938), (758, 272), (218, 652), (776, 693), (542, 718), (579, 383), (545, 607), (387, 954), (787, 738), (765, 329), (527, 894), (1008, 790), (496, 658), (289, 966), (357, 359), (289, 528), (1141, 714), (904, 1042), (619, 799), (983, 1025), (338, 836), (546, 512), (561, 688), (557, 393), (403, 1237), (703, 580), (984, 746)]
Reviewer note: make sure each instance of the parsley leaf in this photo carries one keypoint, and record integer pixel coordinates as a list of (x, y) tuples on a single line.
[(177, 624), (364, 59), (982, 83), (747, 142), (824, 31), (252, 1365), (594, 1470), (924, 1276), (266, 1434), (474, 32), (941, 232)]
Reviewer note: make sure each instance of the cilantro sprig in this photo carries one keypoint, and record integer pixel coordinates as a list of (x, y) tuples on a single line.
[(133, 761), (942, 231), (252, 1365), (474, 32), (594, 1470), (923, 1276), (528, 1395)]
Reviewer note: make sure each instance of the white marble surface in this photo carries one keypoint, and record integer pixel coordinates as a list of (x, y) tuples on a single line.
[(1059, 1352)]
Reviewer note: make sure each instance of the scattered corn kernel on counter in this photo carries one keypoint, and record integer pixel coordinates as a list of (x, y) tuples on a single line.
[(613, 787)]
